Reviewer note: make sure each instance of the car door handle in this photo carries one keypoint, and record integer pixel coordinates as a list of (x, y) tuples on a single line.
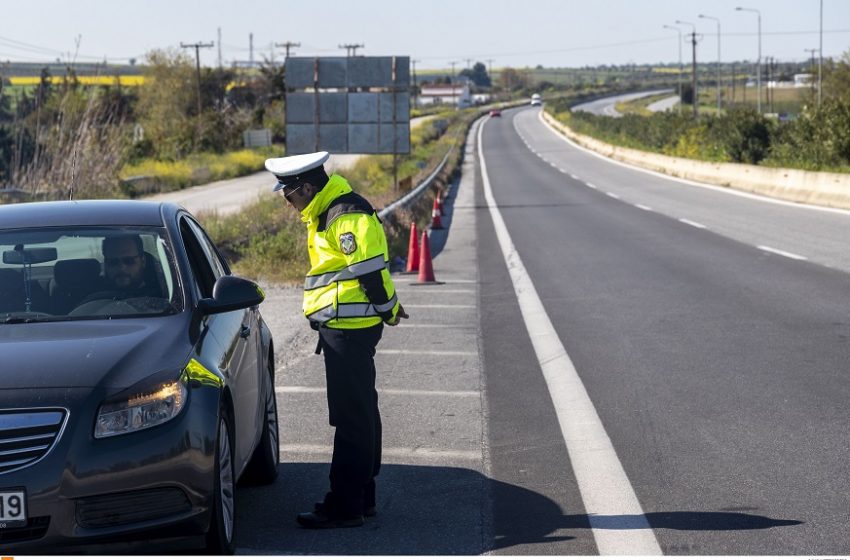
[(245, 332)]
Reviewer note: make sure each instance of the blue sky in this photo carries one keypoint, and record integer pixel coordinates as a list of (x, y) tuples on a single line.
[(509, 32)]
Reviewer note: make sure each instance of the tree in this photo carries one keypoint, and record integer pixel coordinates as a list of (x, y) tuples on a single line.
[(478, 74), (836, 80), (167, 98)]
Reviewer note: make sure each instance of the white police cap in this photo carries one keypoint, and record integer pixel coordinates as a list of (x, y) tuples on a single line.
[(290, 169)]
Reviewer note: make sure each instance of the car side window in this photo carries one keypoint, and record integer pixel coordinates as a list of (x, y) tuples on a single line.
[(219, 268), (201, 268)]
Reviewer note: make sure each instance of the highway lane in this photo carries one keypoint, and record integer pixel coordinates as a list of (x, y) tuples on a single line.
[(717, 369), (607, 105)]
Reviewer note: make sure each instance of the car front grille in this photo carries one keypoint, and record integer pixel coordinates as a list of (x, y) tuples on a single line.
[(131, 507), (28, 435), (35, 529)]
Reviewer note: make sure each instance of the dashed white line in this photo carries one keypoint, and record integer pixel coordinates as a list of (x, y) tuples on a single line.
[(693, 224), (794, 256), (395, 452), (574, 176), (613, 195), (591, 185), (644, 207)]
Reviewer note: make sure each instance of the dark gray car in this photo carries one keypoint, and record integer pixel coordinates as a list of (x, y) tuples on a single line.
[(128, 409)]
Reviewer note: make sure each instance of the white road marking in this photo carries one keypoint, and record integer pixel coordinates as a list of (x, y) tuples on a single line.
[(591, 185), (415, 278), (407, 325), (694, 224), (426, 352), (574, 176), (302, 389), (644, 207), (783, 253), (613, 195), (438, 291), (438, 306), (725, 190), (605, 488), (394, 452)]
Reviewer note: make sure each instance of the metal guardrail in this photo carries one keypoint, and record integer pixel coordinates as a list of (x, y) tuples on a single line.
[(416, 192)]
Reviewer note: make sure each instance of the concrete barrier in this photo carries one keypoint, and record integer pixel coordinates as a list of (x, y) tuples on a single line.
[(795, 185)]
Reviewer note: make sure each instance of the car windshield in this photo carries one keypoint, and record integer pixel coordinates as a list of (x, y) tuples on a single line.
[(58, 274)]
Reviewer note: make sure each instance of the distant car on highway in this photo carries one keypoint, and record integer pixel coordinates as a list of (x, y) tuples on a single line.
[(495, 112), (137, 382), (536, 99)]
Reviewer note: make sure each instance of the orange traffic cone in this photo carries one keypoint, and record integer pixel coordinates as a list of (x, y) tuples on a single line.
[(412, 250), (436, 214), (426, 269)]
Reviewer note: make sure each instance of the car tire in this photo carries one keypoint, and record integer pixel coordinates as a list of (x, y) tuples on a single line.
[(220, 538), (262, 468)]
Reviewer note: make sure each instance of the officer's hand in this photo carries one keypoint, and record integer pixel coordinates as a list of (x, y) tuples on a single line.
[(399, 316)]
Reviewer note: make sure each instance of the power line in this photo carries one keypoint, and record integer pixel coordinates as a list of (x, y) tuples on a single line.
[(351, 49), (287, 45)]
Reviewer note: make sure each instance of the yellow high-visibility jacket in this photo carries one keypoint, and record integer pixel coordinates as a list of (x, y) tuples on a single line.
[(349, 284)]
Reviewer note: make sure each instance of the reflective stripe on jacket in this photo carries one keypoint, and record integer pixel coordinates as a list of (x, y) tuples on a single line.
[(345, 240)]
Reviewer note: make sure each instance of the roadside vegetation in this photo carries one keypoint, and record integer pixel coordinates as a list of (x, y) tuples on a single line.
[(816, 139), (84, 136)]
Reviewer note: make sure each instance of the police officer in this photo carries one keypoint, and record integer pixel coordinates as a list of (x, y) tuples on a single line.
[(348, 296)]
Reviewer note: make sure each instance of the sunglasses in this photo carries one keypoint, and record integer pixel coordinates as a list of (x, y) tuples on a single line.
[(288, 195), (117, 261)]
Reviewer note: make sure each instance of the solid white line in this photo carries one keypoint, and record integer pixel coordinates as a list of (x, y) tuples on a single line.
[(725, 190), (694, 224), (783, 253), (431, 290), (301, 389), (613, 195), (406, 325), (604, 486), (427, 352), (591, 185), (438, 306), (644, 207), (396, 452)]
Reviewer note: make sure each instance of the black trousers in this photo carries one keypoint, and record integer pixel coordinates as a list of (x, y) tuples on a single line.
[(353, 411)]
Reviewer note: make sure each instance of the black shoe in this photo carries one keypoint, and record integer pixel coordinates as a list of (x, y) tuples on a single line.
[(323, 520), (368, 511)]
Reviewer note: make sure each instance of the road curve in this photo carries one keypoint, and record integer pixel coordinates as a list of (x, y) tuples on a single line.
[(607, 105)]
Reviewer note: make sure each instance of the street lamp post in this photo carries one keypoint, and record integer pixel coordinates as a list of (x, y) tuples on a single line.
[(693, 65), (680, 63), (758, 75), (719, 103)]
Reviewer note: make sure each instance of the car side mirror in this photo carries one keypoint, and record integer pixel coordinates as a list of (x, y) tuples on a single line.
[(231, 293)]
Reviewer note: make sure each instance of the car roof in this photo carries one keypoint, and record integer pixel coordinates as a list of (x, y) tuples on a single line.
[(85, 213)]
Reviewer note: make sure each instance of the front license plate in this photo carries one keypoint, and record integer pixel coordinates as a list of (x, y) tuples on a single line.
[(13, 508)]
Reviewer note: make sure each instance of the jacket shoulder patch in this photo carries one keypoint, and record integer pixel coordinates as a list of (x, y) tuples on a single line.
[(347, 243)]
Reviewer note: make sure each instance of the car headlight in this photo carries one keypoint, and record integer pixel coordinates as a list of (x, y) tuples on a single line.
[(142, 411)]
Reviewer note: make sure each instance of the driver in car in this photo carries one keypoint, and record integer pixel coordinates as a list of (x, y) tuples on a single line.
[(124, 263)]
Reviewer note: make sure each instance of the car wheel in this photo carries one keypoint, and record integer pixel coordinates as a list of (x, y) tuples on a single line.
[(262, 469), (223, 523)]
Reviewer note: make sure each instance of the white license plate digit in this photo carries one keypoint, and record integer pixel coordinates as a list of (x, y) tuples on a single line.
[(13, 508)]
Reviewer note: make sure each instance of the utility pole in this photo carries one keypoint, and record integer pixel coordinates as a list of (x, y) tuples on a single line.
[(197, 47), (351, 49), (758, 62), (681, 70), (287, 45), (693, 64), (415, 85), (453, 63), (219, 48), (812, 68), (820, 58), (719, 103), (251, 50)]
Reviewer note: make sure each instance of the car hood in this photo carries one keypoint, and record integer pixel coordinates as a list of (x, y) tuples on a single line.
[(112, 354)]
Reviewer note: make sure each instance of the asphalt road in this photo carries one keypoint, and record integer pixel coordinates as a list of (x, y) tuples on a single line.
[(682, 390), (607, 105), (717, 369)]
